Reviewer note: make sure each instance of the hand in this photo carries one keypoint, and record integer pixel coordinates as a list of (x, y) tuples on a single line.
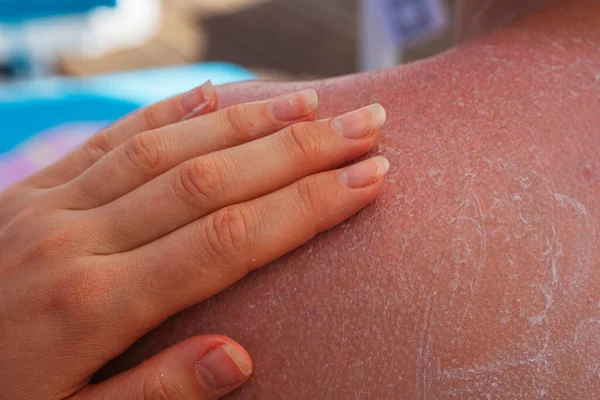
[(159, 212)]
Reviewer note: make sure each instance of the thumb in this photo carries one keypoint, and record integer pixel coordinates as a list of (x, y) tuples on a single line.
[(201, 368)]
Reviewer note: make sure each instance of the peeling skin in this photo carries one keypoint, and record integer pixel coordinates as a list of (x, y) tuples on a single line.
[(475, 274)]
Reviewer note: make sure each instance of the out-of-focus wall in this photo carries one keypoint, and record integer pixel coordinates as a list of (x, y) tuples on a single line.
[(289, 39), (302, 37)]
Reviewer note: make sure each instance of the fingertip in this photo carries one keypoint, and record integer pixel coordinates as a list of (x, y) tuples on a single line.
[(211, 96), (245, 360), (202, 109), (224, 367), (312, 99), (383, 165), (202, 367), (200, 100), (292, 107), (365, 173)]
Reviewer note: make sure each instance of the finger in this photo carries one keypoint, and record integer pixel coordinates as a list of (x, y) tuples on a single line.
[(201, 368), (151, 153), (206, 184), (198, 101), (204, 257)]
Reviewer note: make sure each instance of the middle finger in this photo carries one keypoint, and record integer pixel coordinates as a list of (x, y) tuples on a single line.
[(206, 184)]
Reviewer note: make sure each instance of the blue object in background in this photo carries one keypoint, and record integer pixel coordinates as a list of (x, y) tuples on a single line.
[(26, 108), (408, 21), (13, 11)]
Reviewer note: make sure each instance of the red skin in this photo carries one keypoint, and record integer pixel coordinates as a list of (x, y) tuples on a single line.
[(476, 272)]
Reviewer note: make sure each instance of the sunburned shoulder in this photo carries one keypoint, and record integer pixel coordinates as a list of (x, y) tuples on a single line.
[(476, 271)]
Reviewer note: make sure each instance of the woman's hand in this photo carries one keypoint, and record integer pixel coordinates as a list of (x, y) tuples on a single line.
[(159, 212)]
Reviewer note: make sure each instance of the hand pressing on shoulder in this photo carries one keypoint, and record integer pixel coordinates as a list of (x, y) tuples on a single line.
[(159, 212)]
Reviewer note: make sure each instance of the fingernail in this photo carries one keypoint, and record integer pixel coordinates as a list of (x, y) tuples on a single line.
[(202, 109), (223, 367), (364, 173), (196, 97), (360, 123), (294, 106)]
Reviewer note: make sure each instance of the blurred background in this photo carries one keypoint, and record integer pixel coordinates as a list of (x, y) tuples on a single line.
[(286, 38), (69, 67)]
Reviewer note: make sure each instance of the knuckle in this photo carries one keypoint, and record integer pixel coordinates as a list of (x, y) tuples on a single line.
[(98, 145), (83, 295), (311, 197), (11, 194), (152, 117), (30, 216), (198, 181), (227, 232), (144, 150), (157, 387), (303, 142), (17, 210), (238, 122), (51, 243)]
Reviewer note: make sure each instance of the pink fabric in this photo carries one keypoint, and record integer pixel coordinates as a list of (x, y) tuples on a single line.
[(42, 150)]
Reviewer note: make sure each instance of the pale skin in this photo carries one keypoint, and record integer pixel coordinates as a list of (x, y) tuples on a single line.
[(161, 211), (475, 274)]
